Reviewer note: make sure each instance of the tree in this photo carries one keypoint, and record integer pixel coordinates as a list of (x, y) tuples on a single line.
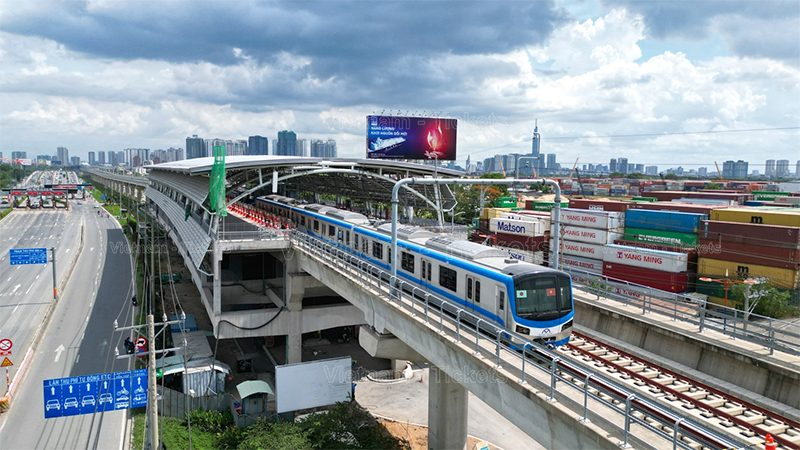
[(275, 436), (670, 176), (774, 302), (348, 426), (468, 197), (714, 186)]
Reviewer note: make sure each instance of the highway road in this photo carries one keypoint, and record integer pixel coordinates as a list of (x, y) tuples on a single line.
[(79, 340)]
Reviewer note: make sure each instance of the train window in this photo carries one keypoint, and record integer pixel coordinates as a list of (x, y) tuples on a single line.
[(407, 262), (316, 225), (501, 299), (430, 271), (377, 250), (302, 220), (448, 278), (424, 271), (331, 230), (477, 291), (469, 287), (347, 238), (389, 253), (365, 246), (355, 241)]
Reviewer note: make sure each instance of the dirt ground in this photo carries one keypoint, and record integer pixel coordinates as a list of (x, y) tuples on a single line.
[(417, 436)]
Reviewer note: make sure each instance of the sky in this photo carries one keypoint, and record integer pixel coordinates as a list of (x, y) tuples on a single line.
[(693, 81)]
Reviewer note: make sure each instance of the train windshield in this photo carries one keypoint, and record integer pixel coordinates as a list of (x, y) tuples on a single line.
[(542, 297)]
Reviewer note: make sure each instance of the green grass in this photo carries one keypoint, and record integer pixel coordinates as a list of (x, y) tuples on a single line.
[(5, 212), (173, 431)]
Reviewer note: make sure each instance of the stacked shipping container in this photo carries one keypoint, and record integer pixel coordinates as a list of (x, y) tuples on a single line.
[(584, 235)]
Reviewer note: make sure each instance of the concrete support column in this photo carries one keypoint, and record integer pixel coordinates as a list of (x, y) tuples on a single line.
[(294, 292), (447, 412), (216, 288)]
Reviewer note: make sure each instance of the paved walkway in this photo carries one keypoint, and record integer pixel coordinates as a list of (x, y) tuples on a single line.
[(407, 401)]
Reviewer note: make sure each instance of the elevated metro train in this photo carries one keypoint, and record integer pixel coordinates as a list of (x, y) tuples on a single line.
[(532, 301)]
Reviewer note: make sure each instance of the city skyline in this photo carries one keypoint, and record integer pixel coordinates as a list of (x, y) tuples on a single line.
[(604, 77)]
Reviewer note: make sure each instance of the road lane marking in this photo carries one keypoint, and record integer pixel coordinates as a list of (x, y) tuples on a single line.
[(58, 352), (15, 288)]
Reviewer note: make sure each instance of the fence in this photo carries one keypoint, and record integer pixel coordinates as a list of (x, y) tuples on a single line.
[(773, 334), (177, 404)]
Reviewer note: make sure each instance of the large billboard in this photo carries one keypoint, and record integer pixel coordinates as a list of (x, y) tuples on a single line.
[(394, 137)]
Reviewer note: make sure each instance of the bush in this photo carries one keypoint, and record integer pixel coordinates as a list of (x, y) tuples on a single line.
[(349, 426), (216, 422), (275, 436), (775, 303)]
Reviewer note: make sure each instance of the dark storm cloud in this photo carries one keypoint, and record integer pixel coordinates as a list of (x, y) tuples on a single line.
[(748, 26)]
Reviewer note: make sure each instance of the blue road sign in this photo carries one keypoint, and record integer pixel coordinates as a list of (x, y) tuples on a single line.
[(88, 394), (19, 256)]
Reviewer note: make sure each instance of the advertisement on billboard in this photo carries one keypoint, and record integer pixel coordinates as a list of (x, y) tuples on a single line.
[(394, 137)]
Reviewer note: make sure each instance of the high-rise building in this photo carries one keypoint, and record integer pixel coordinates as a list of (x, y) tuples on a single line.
[(19, 155), (62, 154), (702, 172), (287, 143), (651, 170), (740, 170), (770, 169), (782, 168), (622, 165), (301, 147), (612, 165), (137, 157), (92, 159), (552, 165), (75, 161), (236, 147), (257, 145), (797, 170), (120, 157), (196, 147), (727, 169), (638, 168), (324, 149), (101, 158)]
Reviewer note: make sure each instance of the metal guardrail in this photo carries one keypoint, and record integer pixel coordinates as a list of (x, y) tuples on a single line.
[(516, 355), (773, 334)]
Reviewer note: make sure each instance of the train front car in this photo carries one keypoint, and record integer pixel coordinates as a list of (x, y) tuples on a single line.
[(542, 305)]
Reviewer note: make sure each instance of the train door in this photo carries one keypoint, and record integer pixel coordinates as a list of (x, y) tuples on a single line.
[(500, 302), (473, 288), (425, 270)]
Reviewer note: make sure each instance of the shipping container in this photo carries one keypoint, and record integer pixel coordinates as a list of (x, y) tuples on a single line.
[(529, 228), (690, 251), (676, 206), (786, 258), (784, 217), (505, 202), (679, 222), (582, 249), (537, 205), (754, 203), (533, 244), (673, 262), (644, 199), (583, 264), (778, 277), (666, 196), (590, 235), (769, 195), (665, 281), (601, 220), (599, 204), (660, 237), (751, 233), (524, 255), (492, 213)]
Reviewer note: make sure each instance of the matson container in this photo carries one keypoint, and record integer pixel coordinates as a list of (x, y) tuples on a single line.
[(590, 235), (783, 278), (584, 264), (672, 262), (602, 220), (591, 251), (786, 258), (665, 281), (599, 205), (534, 244), (519, 227), (751, 233), (524, 255), (678, 222), (786, 218)]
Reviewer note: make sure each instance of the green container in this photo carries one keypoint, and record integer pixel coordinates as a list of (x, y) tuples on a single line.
[(505, 202), (769, 195), (660, 237), (644, 199), (547, 206)]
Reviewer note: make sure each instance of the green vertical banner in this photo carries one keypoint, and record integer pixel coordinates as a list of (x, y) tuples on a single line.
[(216, 185)]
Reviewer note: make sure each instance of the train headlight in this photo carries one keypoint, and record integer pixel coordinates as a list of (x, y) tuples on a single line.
[(523, 330)]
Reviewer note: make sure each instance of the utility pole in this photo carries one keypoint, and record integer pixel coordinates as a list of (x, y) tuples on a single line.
[(55, 287), (151, 379)]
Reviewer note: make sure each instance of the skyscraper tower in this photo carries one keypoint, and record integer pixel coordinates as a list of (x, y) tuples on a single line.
[(536, 142)]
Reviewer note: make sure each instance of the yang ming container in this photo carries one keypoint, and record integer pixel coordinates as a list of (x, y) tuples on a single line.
[(664, 220), (602, 220), (584, 264), (590, 235), (672, 262), (591, 251), (665, 281)]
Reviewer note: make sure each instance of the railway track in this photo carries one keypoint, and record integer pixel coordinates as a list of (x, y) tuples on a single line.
[(731, 415)]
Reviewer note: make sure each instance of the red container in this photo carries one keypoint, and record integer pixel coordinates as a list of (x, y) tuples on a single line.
[(599, 205), (675, 206), (533, 244), (751, 233), (784, 258), (666, 196), (483, 225), (666, 281)]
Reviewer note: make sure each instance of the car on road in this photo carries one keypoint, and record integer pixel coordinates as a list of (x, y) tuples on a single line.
[(87, 400), (105, 398), (52, 404), (71, 402)]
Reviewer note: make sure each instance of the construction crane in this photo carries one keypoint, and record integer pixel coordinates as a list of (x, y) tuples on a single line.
[(578, 175), (719, 172)]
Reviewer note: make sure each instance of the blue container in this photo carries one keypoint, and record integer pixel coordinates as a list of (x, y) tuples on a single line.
[(753, 203), (679, 222)]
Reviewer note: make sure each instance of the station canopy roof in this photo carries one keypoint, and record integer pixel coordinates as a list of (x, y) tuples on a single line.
[(357, 179)]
